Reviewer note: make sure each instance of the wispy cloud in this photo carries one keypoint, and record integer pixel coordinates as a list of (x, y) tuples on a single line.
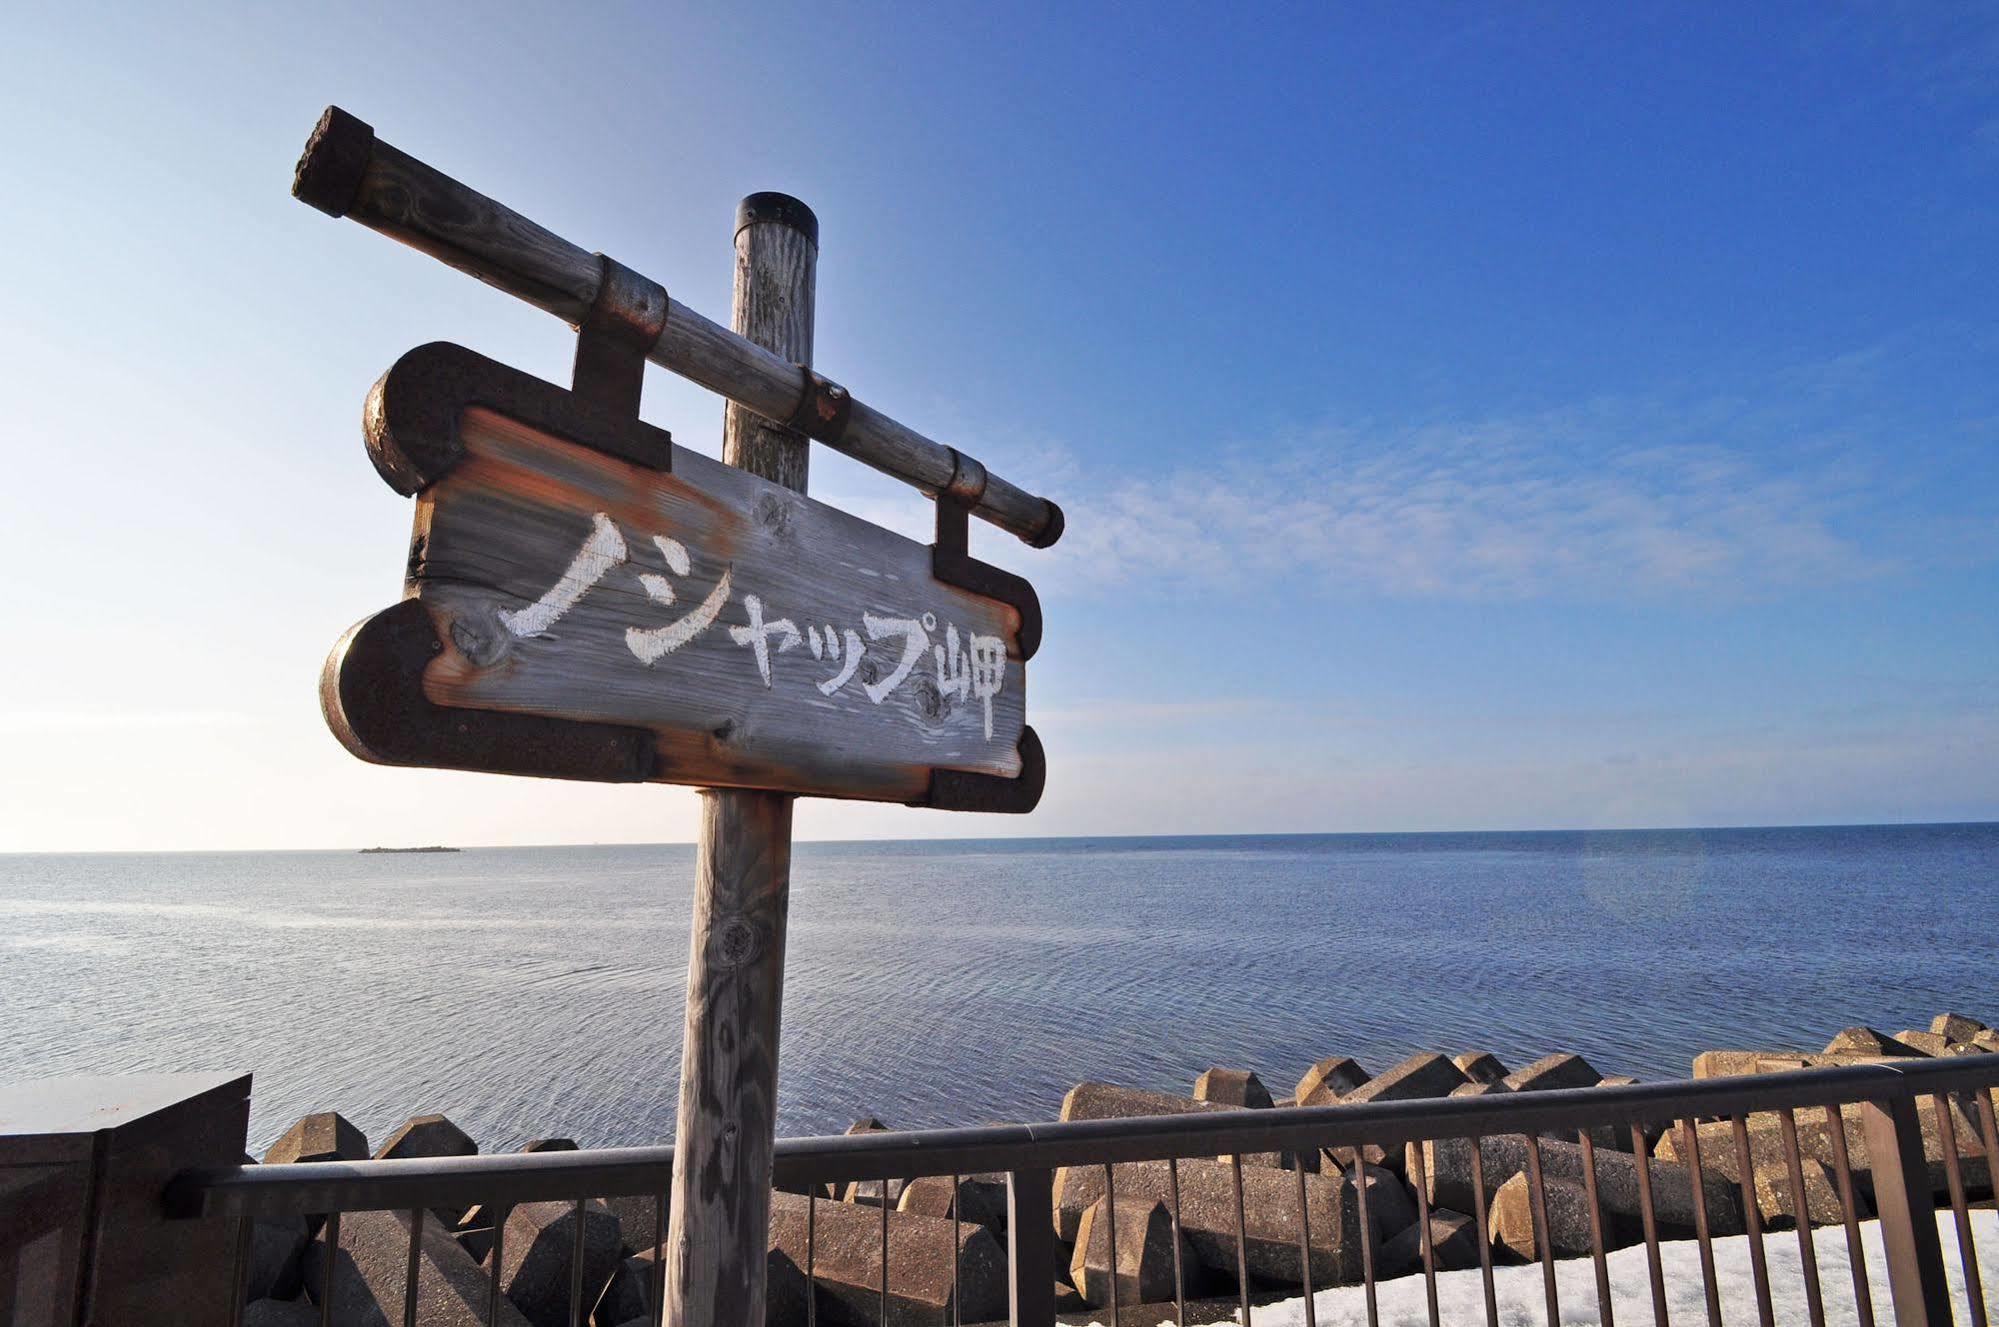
[(1490, 510)]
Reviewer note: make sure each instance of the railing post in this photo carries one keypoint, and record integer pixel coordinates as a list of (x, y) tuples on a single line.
[(1030, 1248), (1907, 1208), (84, 1167)]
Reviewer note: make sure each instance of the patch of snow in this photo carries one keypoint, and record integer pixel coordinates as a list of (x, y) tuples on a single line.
[(1523, 1302)]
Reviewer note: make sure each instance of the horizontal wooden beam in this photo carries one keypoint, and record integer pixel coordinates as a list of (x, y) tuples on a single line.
[(347, 171)]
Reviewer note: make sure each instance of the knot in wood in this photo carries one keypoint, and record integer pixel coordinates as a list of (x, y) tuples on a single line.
[(738, 943)]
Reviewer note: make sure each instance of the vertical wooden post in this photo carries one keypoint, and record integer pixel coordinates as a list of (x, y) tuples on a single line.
[(735, 963)]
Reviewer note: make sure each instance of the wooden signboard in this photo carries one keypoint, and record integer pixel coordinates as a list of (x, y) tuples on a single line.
[(586, 600)]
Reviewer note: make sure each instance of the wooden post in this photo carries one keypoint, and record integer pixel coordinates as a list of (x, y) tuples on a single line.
[(735, 963)]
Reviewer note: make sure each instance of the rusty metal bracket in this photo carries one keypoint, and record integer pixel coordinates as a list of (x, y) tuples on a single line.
[(625, 320), (371, 690), (411, 418), (823, 409)]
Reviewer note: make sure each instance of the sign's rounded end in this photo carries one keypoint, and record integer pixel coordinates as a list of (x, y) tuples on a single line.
[(328, 174), (781, 208)]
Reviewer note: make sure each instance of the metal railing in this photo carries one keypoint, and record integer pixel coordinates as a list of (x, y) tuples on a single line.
[(1877, 1105)]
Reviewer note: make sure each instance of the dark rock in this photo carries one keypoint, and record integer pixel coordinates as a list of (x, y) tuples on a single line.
[(280, 1313), (1329, 1080), (1270, 1211), (869, 1192), (1107, 1101), (980, 1199), (1076, 1187), (1391, 1205), (1956, 1027), (550, 1145), (1554, 1071), (847, 1264), (1512, 1220), (1232, 1087), (1924, 1043), (373, 1258), (1145, 1253), (1777, 1205), (1453, 1246), (324, 1136), (641, 1221), (626, 1296), (1421, 1075), (538, 1253), (1447, 1170), (1866, 1041), (276, 1246), (1480, 1066), (427, 1136)]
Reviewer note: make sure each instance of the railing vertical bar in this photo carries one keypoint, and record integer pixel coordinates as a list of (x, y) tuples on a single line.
[(498, 1255), (239, 1270), (1421, 1183), (1179, 1275), (576, 1267), (1484, 1235), (1752, 1220), (1953, 1169), (883, 1194), (1856, 1252), (1604, 1312), (410, 1273), (1649, 1219), (1697, 1191), (1110, 1234), (1544, 1244), (1304, 1244), (1241, 1240), (659, 1263), (811, 1253), (957, 1196), (1366, 1233), (1808, 1257), (1990, 1132), (329, 1268)]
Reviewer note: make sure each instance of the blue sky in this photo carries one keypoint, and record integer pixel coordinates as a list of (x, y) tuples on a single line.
[(1468, 417)]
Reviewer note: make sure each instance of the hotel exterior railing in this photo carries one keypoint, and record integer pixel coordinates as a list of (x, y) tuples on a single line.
[(1887, 1097)]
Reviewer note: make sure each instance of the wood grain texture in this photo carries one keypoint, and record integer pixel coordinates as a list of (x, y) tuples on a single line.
[(727, 1121), (500, 530), (773, 305), (418, 205)]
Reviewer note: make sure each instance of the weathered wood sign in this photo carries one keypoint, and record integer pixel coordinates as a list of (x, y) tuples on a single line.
[(587, 600)]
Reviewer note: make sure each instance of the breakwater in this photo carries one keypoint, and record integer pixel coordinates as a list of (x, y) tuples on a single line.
[(1146, 1232)]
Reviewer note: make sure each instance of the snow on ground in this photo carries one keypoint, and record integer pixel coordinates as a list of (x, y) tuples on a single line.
[(1523, 1302)]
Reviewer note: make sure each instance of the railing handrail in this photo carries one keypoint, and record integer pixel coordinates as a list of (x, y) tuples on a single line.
[(313, 1187)]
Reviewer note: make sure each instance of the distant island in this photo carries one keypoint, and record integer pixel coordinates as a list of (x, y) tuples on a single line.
[(432, 848)]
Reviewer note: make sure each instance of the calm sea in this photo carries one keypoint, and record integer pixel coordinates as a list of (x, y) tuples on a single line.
[(538, 991)]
